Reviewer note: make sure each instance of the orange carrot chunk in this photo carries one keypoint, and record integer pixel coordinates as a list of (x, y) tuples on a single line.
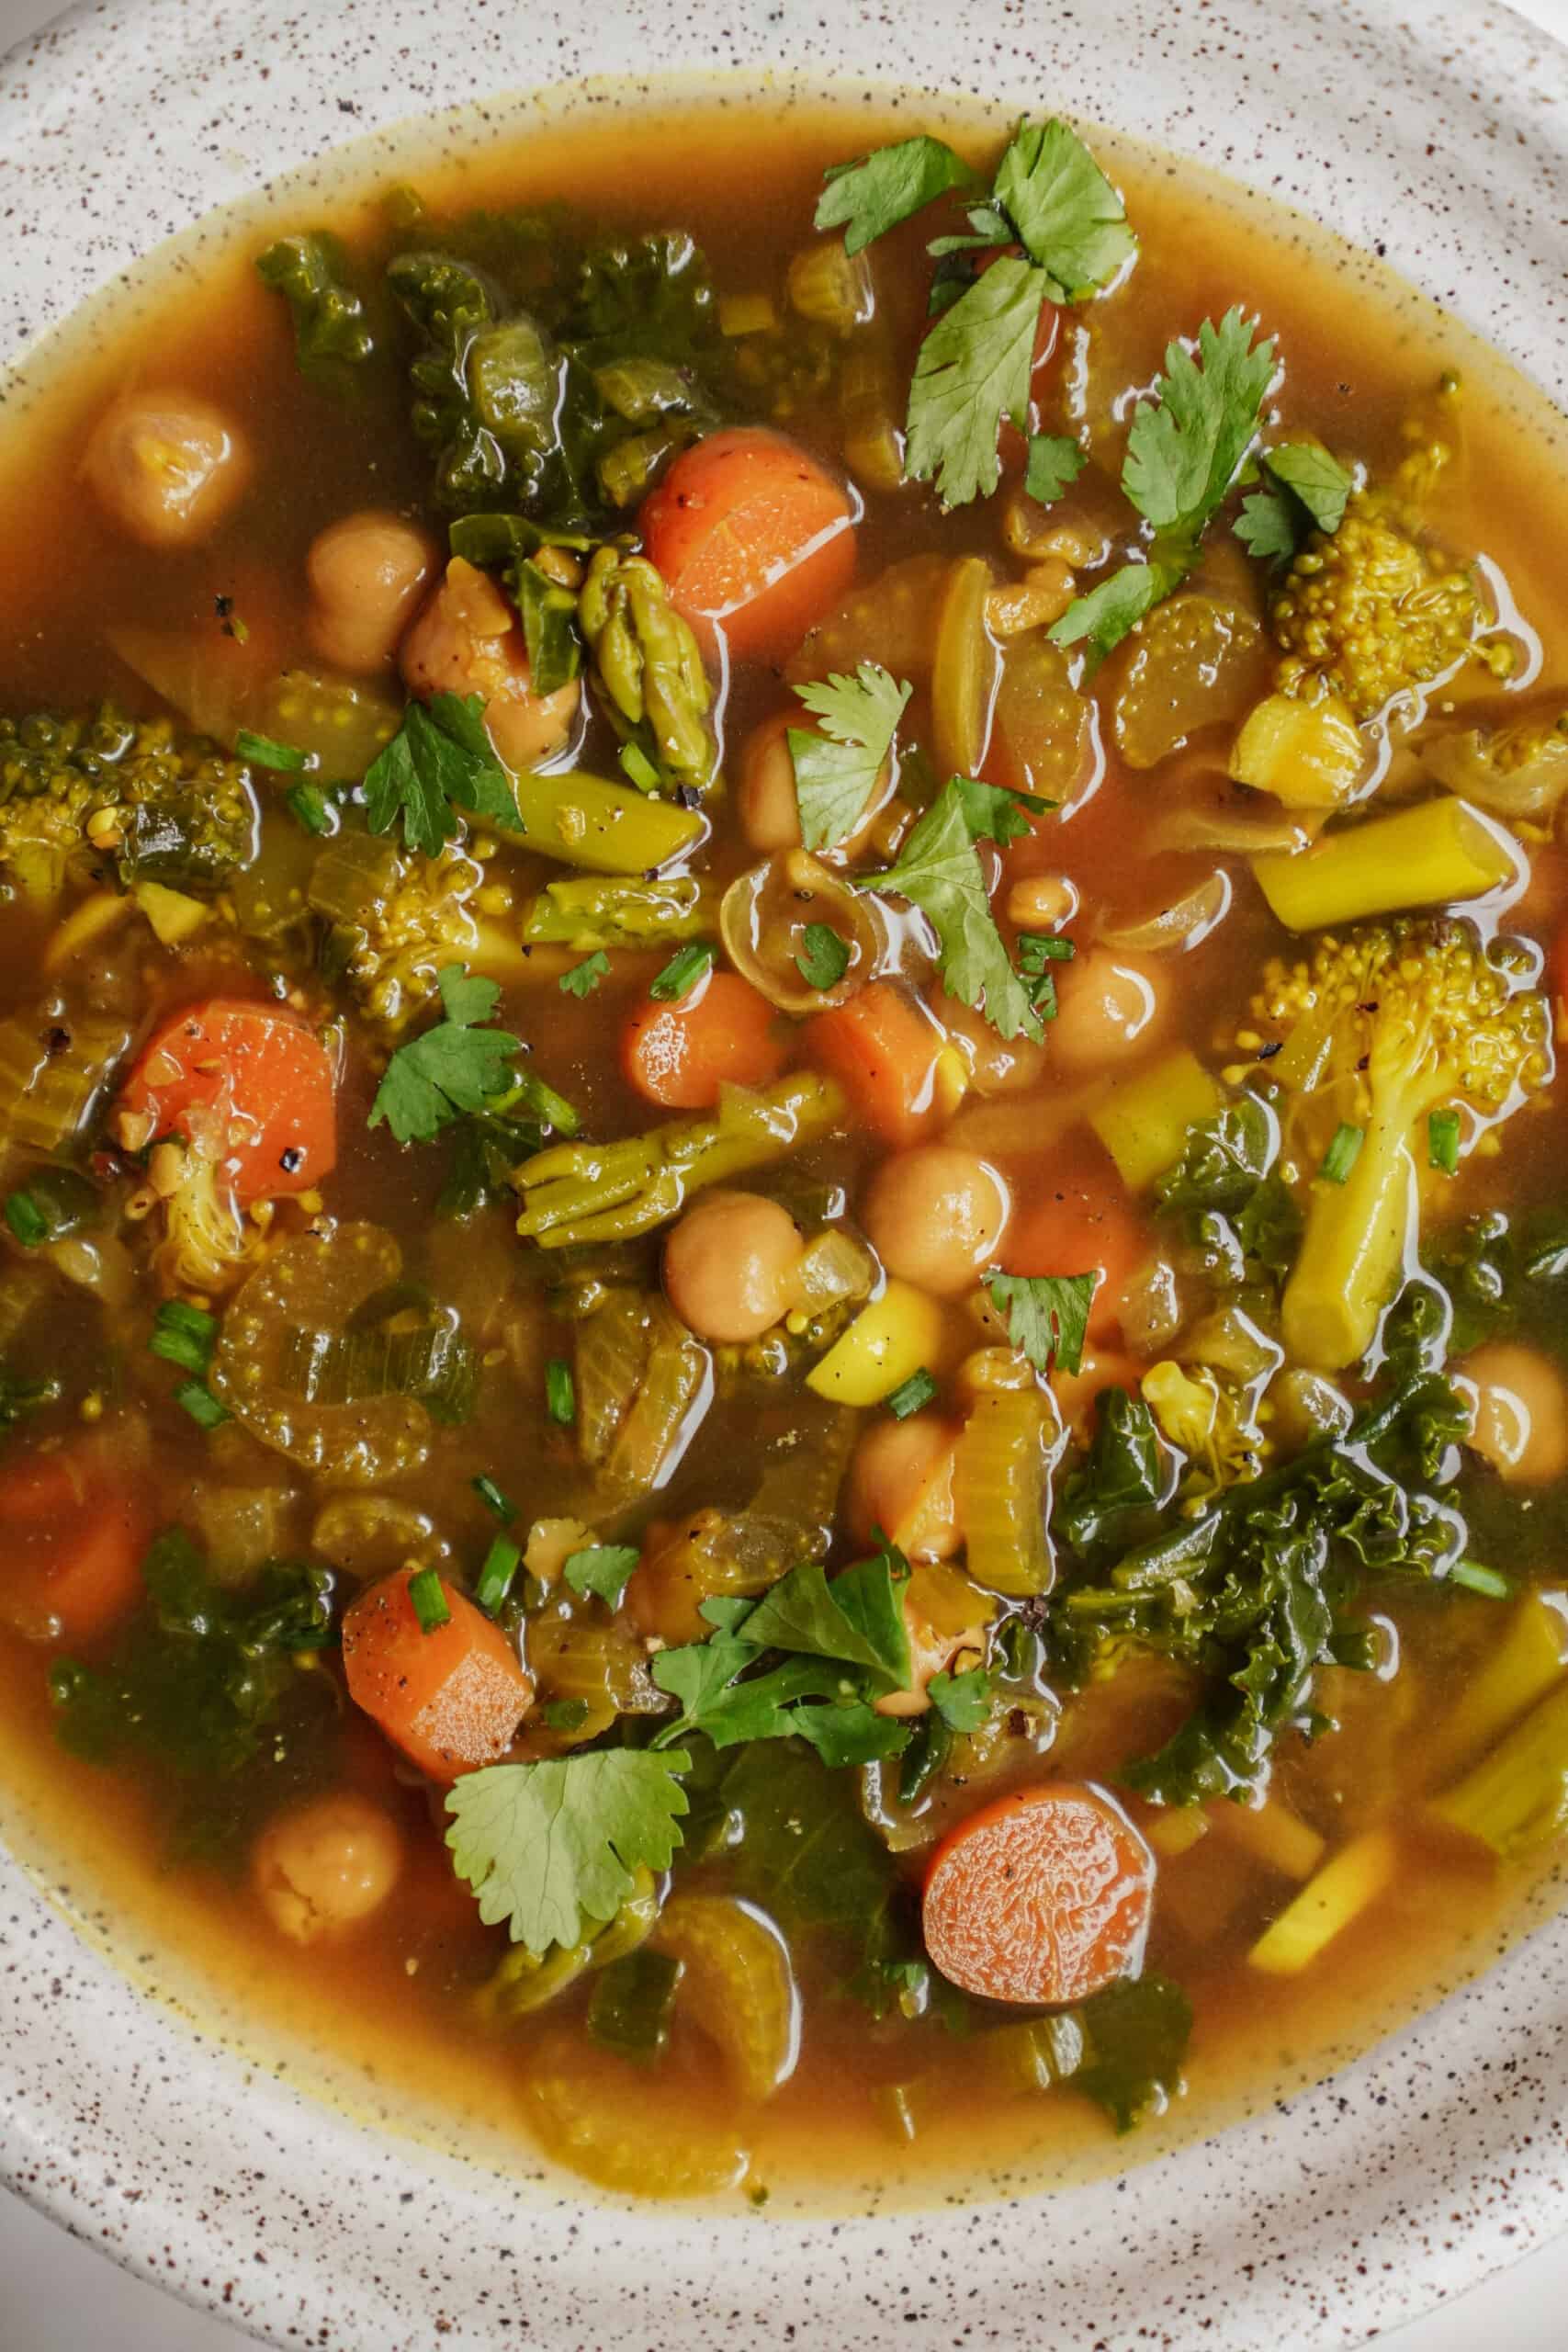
[(451, 1699), (249, 1086), (1043, 1897), (883, 1047), (71, 1542), (721, 1033), (754, 539), (1069, 1226)]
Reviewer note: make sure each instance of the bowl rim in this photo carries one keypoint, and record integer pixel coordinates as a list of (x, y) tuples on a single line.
[(1304, 2224)]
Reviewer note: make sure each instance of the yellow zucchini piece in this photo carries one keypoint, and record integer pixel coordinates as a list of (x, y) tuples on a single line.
[(1516, 1798), (892, 1338), (1528, 1658), (1308, 754), (605, 827), (1272, 1835), (1436, 854), (737, 1984), (1346, 1885), (1144, 1123), (1002, 1490)]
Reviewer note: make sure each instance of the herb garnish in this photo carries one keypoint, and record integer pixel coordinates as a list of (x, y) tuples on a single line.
[(453, 1069)]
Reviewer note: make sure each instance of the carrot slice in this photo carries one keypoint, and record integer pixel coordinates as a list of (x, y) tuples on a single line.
[(451, 1699), (1077, 1225), (72, 1542), (245, 1082), (721, 1033), (883, 1047), (1044, 1896), (754, 539)]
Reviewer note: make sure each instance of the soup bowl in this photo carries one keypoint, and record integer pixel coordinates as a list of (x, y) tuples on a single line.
[(142, 2111)]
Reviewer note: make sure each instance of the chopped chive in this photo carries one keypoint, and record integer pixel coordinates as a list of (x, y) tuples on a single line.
[(195, 1397), (491, 1495), (1488, 1582), (1037, 947), (823, 957), (26, 1219), (584, 978), (566, 1714), (184, 1335), (308, 806), (912, 1394), (637, 764), (1442, 1141), (501, 1563), (560, 1393), (681, 974), (1342, 1153), (263, 752), (428, 1601)]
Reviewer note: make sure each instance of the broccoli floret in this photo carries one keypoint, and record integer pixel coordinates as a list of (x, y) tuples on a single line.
[(1382, 1027), (1370, 611), (1212, 1419), (156, 803), (395, 919)]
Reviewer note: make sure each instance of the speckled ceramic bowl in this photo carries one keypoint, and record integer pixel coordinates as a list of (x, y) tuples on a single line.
[(1335, 2212)]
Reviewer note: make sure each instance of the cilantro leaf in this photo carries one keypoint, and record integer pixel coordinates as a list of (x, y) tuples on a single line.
[(940, 874), (1319, 481), (1046, 1314), (265, 751), (867, 198), (454, 1068), (857, 1620), (994, 814), (973, 369), (822, 958), (584, 978), (1267, 526), (962, 1700), (1101, 618), (604, 1569), (1055, 461), (1067, 215), (549, 1846), (440, 759), (850, 1734), (836, 769), (1189, 437)]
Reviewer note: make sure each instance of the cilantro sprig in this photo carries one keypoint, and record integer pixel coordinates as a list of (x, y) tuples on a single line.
[(940, 874), (836, 768), (449, 1071), (440, 761), (1305, 488), (1046, 1314), (1187, 443)]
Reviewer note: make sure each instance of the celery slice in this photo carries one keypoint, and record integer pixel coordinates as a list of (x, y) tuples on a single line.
[(1516, 1798), (1347, 1886)]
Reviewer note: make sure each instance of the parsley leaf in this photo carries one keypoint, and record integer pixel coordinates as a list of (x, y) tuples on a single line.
[(1046, 1314), (836, 769), (822, 958), (454, 1068), (584, 978), (1319, 481), (441, 758), (1187, 442), (548, 1846), (867, 198), (940, 874), (604, 1569), (858, 1619), (1055, 461), (1101, 618), (1067, 215), (962, 1700), (972, 370)]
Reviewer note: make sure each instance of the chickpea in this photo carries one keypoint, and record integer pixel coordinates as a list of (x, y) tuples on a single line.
[(1111, 1005), (1042, 902), (996, 1064), (944, 1615), (727, 1265), (466, 640), (935, 1217), (901, 1481), (366, 572), (770, 813), (322, 1867), (167, 467), (1520, 1414)]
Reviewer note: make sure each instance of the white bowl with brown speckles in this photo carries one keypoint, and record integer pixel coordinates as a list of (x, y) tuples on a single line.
[(1338, 2210)]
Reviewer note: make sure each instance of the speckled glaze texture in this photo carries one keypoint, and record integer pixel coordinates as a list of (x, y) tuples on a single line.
[(1439, 139)]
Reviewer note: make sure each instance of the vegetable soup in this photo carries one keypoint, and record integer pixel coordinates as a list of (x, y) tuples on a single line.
[(782, 1295)]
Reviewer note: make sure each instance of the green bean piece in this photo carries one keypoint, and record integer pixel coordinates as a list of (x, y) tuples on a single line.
[(647, 661), (607, 912), (609, 1191), (605, 827)]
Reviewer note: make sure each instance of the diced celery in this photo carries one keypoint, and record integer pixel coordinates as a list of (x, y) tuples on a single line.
[(895, 1336), (1142, 1123), (1526, 1659), (1272, 1835), (1345, 1886), (1174, 1830), (1438, 853), (1516, 1798), (1003, 1490)]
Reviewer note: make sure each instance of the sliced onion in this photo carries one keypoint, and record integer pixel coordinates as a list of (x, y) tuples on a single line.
[(764, 919), (832, 1267), (1183, 924), (1231, 831), (964, 670), (1467, 762)]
